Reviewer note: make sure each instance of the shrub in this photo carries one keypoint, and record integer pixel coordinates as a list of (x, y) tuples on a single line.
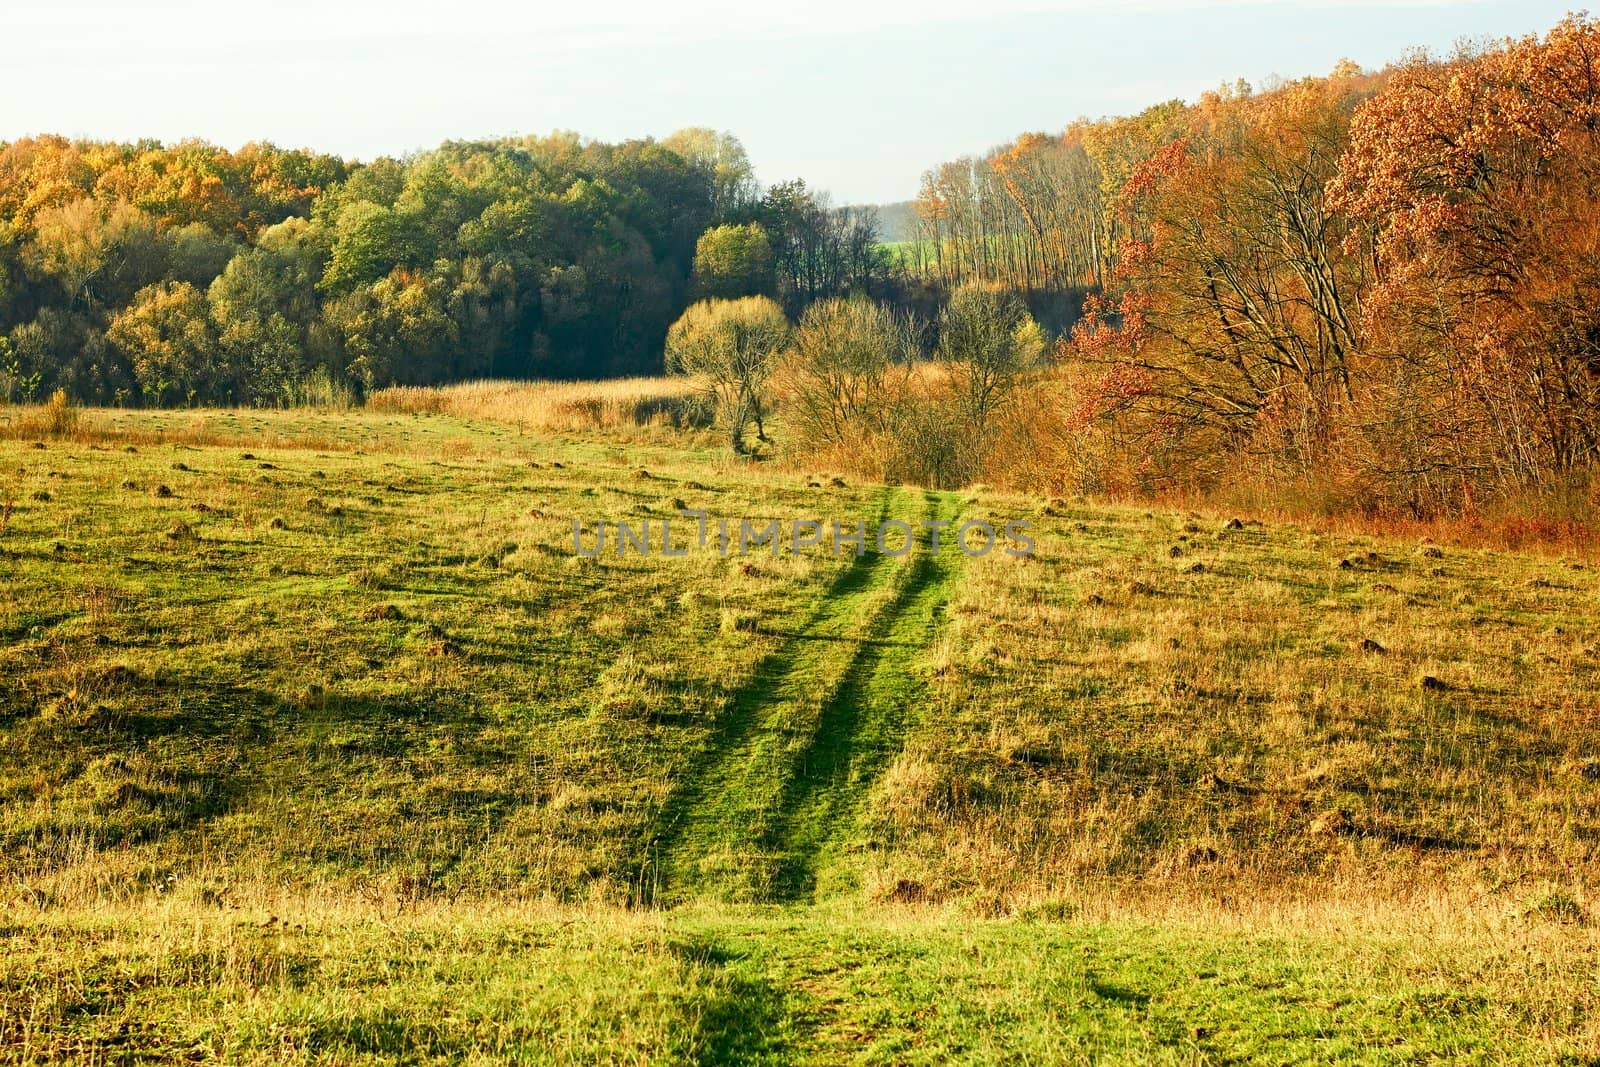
[(836, 377), (57, 417), (319, 389)]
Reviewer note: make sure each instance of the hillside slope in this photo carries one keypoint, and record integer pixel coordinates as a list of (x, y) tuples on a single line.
[(257, 661)]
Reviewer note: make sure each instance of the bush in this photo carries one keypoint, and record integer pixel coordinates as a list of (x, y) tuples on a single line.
[(57, 417), (837, 376), (924, 445), (60, 415), (319, 389)]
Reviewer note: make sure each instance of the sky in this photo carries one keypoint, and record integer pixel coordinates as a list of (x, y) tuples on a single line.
[(858, 97)]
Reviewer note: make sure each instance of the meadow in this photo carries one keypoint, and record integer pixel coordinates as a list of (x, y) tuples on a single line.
[(319, 743)]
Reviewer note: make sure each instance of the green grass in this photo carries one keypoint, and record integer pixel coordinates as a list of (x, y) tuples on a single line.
[(808, 734), (753, 987), (318, 743)]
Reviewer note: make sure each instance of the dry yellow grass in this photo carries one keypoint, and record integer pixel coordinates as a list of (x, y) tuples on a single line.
[(57, 417), (559, 406), (562, 407)]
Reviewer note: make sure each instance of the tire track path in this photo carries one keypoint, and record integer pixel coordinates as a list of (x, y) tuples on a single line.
[(800, 744)]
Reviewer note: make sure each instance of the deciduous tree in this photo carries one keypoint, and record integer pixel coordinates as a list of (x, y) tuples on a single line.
[(732, 345)]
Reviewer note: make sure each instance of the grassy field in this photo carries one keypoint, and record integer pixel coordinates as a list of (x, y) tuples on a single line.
[(319, 743)]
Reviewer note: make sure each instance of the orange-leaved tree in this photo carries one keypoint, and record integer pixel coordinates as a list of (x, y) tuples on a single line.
[(1233, 269), (1478, 183)]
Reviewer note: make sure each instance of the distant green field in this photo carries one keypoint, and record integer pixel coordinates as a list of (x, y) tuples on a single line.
[(904, 253), (318, 743)]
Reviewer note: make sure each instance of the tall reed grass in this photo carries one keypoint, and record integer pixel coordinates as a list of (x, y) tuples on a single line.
[(559, 406)]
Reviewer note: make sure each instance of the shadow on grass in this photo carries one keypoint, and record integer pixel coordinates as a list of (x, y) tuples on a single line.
[(158, 759), (1119, 995), (744, 1019)]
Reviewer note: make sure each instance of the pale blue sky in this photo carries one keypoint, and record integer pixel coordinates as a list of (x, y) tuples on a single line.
[(859, 97)]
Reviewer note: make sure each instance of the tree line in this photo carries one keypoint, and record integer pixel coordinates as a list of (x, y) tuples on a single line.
[(1380, 286), (187, 274)]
